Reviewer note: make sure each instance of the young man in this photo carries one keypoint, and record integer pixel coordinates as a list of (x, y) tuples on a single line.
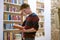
[(30, 25)]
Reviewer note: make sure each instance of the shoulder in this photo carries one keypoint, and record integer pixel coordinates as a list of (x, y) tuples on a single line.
[(33, 15)]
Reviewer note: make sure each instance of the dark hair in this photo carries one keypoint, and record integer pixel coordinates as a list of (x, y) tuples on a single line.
[(24, 5)]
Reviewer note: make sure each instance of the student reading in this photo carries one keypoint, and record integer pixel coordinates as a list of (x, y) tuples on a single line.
[(30, 25)]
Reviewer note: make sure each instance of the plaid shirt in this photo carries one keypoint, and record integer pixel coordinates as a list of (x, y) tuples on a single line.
[(31, 22)]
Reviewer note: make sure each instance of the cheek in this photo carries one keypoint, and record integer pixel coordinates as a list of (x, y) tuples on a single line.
[(27, 11)]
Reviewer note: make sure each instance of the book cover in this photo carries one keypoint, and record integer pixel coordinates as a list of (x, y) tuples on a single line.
[(9, 16), (8, 35), (11, 35), (13, 8), (10, 8), (8, 26), (13, 1), (9, 1), (5, 36), (17, 26), (5, 8), (5, 17)]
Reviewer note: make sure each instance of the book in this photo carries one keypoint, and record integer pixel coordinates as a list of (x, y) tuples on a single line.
[(20, 1), (5, 0), (8, 26), (25, 1), (13, 1), (9, 16), (18, 27), (11, 36), (5, 7), (13, 9), (5, 36), (10, 8), (14, 17), (8, 35), (5, 17), (9, 1), (19, 17)]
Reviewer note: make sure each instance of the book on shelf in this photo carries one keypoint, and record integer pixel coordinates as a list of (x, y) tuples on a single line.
[(9, 16), (13, 9), (20, 1), (5, 16), (8, 36), (4, 35), (25, 1), (5, 7), (15, 17), (10, 8), (11, 36), (13, 1), (12, 17), (8, 26), (42, 5), (9, 1)]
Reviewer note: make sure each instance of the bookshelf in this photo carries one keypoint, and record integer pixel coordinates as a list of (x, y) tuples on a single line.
[(12, 15), (40, 13)]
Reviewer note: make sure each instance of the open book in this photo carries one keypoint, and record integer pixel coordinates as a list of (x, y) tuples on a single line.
[(18, 27)]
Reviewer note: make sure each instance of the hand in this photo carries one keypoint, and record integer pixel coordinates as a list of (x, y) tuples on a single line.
[(21, 12), (23, 30)]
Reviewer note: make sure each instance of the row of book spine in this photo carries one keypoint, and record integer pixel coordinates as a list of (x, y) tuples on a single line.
[(11, 8), (12, 17), (11, 36), (8, 26), (8, 36), (14, 1)]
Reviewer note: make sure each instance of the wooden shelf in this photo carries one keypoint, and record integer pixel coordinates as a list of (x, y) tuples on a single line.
[(11, 12), (38, 8), (12, 4), (11, 30), (41, 30), (41, 22), (39, 2), (40, 15), (13, 21)]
